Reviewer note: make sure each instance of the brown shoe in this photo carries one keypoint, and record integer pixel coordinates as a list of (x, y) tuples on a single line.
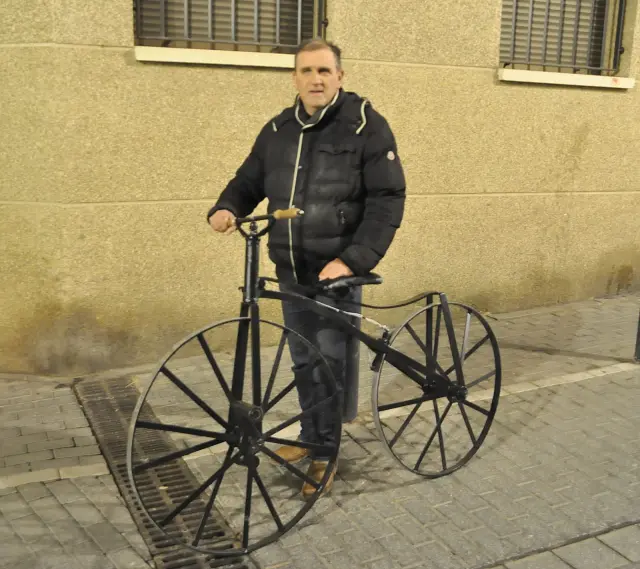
[(292, 454), (316, 472)]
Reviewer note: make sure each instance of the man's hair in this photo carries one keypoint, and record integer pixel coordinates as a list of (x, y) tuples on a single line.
[(315, 44)]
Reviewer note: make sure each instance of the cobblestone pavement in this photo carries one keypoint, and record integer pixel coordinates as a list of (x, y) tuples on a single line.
[(556, 484)]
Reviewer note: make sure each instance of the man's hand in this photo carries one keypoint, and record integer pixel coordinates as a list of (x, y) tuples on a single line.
[(335, 269), (223, 221)]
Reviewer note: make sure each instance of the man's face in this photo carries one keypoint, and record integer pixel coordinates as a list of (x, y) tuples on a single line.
[(317, 78)]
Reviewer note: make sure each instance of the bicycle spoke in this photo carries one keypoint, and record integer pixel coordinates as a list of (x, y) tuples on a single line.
[(290, 467), (267, 498), (405, 424), (422, 399), (429, 343), (465, 338), (301, 444), (433, 436), (437, 335), (440, 435), (467, 423), (280, 396), (180, 385), (422, 346), (224, 437), (478, 344), (173, 455), (297, 417), (453, 343), (247, 510), (476, 407), (212, 498), (486, 376), (274, 369), (214, 366), (199, 490)]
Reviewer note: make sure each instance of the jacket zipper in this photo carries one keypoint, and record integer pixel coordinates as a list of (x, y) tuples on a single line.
[(295, 174), (293, 191)]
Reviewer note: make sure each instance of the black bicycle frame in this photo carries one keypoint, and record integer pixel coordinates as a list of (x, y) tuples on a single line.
[(425, 375)]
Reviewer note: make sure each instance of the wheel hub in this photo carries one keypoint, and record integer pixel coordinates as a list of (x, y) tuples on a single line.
[(458, 393), (247, 418), (249, 459), (245, 410)]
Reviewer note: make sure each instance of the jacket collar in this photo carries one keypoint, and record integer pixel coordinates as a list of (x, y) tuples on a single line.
[(327, 112), (348, 107)]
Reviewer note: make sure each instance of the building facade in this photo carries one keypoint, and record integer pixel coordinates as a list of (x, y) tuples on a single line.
[(521, 192)]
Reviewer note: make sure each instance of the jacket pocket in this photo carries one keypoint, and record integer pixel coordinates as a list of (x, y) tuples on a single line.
[(336, 164), (349, 215), (337, 148)]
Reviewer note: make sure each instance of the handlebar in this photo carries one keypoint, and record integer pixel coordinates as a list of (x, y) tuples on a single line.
[(290, 213), (271, 218)]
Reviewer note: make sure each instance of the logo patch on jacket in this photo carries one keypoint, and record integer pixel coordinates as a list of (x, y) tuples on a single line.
[(391, 155)]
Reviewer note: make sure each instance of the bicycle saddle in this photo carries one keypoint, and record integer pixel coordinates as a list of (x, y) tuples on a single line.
[(346, 282)]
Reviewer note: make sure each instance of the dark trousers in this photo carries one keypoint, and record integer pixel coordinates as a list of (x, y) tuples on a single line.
[(333, 343)]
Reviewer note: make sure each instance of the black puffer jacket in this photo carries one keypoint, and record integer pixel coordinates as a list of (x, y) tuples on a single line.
[(341, 167)]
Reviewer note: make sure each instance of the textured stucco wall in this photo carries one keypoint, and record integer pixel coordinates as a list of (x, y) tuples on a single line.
[(519, 195)]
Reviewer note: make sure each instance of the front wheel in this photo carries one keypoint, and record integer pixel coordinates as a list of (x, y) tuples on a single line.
[(222, 414), (436, 435)]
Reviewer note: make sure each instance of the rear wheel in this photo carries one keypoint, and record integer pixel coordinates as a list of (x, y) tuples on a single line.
[(435, 435)]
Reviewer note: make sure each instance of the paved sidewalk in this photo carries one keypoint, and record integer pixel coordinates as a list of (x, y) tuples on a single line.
[(44, 434), (69, 524), (556, 484), (561, 464), (59, 506), (610, 549)]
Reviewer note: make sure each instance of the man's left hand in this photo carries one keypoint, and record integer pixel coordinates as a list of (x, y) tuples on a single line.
[(334, 270)]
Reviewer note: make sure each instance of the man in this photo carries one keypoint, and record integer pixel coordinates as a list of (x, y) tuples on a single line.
[(333, 156)]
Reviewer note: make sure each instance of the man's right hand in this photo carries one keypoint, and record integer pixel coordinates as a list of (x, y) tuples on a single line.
[(223, 221)]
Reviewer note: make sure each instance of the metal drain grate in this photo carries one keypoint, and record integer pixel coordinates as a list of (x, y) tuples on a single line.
[(108, 405)]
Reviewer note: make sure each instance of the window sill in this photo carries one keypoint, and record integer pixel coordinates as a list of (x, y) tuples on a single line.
[(525, 76), (213, 57)]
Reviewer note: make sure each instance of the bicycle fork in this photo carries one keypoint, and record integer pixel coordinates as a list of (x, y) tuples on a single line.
[(249, 323), (435, 379)]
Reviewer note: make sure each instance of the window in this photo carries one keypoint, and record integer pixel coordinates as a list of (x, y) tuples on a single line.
[(563, 36), (267, 26)]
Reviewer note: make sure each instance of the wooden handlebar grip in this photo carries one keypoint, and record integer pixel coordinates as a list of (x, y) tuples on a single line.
[(287, 213)]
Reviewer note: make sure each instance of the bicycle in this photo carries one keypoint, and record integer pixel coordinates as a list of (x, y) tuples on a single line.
[(246, 423)]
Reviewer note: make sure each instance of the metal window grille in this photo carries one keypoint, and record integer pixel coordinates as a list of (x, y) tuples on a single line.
[(243, 25), (572, 36)]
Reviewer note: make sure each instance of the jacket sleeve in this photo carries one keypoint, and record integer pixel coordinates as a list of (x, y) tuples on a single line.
[(246, 190), (384, 184)]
